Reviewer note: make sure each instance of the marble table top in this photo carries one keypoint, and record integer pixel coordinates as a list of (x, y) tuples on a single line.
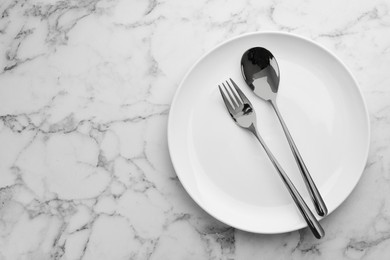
[(85, 92)]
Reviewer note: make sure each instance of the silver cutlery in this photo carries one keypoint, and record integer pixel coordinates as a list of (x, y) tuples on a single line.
[(242, 112), (261, 72)]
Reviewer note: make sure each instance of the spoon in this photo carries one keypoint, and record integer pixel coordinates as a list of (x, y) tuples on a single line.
[(261, 72)]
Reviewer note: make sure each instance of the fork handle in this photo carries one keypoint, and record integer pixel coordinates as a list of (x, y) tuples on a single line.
[(315, 195), (311, 221)]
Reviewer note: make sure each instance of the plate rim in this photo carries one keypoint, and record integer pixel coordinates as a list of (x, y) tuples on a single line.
[(288, 34)]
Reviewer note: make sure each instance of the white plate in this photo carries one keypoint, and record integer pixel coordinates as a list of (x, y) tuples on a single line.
[(224, 168)]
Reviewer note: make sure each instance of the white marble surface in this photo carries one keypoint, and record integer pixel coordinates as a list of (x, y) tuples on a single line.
[(85, 91)]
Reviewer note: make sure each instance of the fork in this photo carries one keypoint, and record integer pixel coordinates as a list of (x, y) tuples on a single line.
[(242, 112)]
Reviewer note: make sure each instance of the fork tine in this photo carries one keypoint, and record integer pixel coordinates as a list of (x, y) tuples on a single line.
[(232, 99), (225, 100), (240, 93), (237, 98)]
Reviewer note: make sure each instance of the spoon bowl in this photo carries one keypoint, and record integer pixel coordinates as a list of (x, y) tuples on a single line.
[(261, 72)]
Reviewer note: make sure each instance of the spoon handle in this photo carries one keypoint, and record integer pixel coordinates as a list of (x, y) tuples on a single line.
[(315, 195), (310, 219)]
